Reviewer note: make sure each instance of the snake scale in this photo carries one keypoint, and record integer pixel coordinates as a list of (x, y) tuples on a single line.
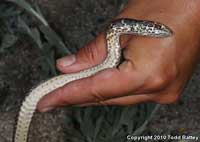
[(115, 29)]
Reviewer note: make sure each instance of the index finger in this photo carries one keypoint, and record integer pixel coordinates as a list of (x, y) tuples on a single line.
[(110, 83)]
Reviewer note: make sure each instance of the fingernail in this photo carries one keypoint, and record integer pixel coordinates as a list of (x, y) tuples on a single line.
[(46, 109), (66, 61)]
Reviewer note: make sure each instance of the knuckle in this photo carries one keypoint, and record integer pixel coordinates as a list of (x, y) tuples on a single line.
[(158, 82), (103, 103), (87, 53), (95, 92), (167, 99), (91, 51), (162, 79), (173, 98), (97, 97)]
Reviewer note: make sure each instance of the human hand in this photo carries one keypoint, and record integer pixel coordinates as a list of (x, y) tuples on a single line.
[(154, 70)]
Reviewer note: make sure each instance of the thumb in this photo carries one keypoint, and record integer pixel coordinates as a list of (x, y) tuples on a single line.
[(92, 54)]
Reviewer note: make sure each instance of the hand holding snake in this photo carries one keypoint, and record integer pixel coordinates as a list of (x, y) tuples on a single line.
[(154, 69)]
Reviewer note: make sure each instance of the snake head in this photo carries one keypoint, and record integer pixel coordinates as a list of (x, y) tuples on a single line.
[(160, 30), (152, 29), (141, 27)]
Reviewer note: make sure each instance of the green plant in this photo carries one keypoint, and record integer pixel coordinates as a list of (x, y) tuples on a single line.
[(108, 124), (7, 36)]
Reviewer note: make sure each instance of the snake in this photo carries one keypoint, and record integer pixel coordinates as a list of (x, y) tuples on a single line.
[(112, 35)]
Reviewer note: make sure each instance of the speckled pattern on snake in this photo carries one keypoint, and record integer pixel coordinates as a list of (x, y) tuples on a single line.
[(116, 28)]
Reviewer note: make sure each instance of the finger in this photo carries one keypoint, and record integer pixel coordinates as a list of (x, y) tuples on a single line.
[(123, 101), (161, 98), (104, 85)]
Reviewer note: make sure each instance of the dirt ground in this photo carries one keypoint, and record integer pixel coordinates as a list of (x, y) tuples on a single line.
[(78, 21)]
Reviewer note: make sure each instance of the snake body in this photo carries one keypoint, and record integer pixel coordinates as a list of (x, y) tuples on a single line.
[(116, 28)]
